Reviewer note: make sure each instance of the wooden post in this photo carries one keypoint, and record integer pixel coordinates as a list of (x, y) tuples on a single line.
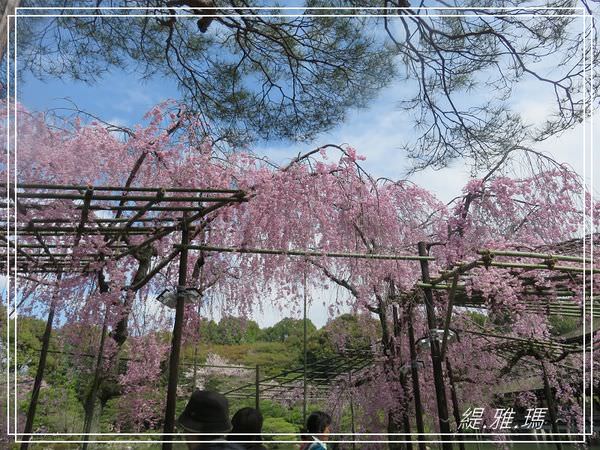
[(195, 368), (415, 381), (550, 404), (403, 382), (455, 409), (305, 355), (406, 423), (39, 376), (257, 382), (352, 426), (90, 400), (169, 426), (438, 374)]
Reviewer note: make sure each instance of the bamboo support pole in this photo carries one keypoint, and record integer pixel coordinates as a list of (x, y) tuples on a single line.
[(169, 426), (460, 269), (397, 353), (63, 245), (39, 376), (56, 270), (63, 263), (309, 253), (544, 291), (194, 379), (545, 307), (545, 256), (56, 255), (438, 375), (547, 344), (541, 266)]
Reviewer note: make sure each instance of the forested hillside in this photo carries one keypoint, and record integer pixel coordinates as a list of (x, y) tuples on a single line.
[(226, 356)]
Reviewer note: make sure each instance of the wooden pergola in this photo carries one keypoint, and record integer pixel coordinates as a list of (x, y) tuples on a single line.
[(52, 245), (321, 375), (129, 220)]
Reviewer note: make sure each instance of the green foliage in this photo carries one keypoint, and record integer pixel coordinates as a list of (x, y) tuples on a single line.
[(209, 331), (344, 333), (59, 410), (109, 413), (563, 324), (279, 425), (236, 330), (477, 318), (288, 329), (29, 342), (61, 399)]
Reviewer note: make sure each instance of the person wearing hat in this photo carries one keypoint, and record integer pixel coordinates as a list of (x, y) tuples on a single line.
[(207, 412)]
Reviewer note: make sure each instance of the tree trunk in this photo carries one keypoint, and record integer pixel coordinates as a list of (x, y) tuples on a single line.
[(169, 425), (438, 374), (415, 380), (394, 427), (40, 369), (90, 401), (9, 8)]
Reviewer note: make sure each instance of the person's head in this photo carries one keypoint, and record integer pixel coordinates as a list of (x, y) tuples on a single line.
[(205, 412), (318, 423), (245, 422)]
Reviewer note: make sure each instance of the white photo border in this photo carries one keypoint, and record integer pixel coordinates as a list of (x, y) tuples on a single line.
[(14, 314)]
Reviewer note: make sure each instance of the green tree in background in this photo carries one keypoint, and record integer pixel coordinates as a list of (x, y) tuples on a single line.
[(345, 333), (236, 330), (288, 330)]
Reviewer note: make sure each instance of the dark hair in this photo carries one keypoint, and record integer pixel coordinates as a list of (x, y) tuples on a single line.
[(317, 422), (246, 420)]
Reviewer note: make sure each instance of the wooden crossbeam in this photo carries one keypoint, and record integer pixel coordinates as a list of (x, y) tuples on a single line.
[(310, 253), (72, 187)]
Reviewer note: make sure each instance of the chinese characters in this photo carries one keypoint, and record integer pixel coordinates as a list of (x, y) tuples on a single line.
[(472, 419)]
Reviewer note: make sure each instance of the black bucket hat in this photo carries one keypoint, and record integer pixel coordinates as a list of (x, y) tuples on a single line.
[(206, 412)]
